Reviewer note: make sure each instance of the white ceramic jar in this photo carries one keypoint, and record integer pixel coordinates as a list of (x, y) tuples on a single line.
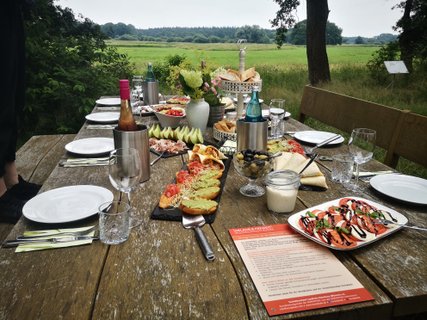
[(282, 190)]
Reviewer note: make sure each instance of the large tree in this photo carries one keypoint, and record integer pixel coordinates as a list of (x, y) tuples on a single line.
[(413, 31), (68, 66), (317, 17), (298, 34)]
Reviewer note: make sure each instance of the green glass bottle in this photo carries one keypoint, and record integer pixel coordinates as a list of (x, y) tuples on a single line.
[(253, 109), (150, 77)]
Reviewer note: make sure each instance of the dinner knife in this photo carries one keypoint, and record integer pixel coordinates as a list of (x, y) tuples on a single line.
[(372, 173), (14, 243)]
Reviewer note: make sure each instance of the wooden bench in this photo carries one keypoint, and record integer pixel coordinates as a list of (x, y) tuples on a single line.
[(35, 161), (399, 132)]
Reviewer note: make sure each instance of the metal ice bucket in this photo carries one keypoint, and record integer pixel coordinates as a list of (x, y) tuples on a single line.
[(252, 135), (150, 92), (139, 141)]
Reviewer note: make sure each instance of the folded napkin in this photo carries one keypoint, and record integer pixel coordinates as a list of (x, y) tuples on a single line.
[(54, 233), (101, 126), (83, 162), (311, 176)]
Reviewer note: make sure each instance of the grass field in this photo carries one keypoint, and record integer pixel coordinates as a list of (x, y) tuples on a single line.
[(284, 74), (227, 54)]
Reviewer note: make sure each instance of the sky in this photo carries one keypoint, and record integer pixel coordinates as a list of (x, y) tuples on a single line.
[(366, 18)]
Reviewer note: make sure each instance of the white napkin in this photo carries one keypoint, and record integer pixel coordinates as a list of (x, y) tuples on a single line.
[(311, 176)]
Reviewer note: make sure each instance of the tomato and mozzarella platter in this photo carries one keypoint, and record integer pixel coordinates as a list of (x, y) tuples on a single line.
[(346, 223)]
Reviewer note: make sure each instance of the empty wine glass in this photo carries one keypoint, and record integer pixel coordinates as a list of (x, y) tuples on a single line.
[(124, 171), (361, 147), (137, 82), (277, 114)]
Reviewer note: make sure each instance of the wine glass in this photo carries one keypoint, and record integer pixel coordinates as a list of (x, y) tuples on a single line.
[(137, 82), (124, 171), (361, 147), (277, 114)]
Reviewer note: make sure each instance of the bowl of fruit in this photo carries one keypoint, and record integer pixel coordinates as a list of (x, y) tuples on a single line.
[(169, 116), (253, 165)]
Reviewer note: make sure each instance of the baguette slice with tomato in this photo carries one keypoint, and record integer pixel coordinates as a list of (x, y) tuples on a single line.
[(168, 196)]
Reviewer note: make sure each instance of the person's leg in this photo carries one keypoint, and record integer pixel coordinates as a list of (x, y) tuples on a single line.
[(3, 187), (12, 91), (11, 175)]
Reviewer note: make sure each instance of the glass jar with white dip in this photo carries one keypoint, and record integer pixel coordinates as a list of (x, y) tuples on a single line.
[(282, 190)]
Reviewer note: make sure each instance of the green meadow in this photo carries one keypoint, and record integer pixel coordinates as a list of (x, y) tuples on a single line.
[(227, 54), (284, 73)]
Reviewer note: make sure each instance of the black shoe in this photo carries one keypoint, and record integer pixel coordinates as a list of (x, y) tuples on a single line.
[(24, 190), (10, 208)]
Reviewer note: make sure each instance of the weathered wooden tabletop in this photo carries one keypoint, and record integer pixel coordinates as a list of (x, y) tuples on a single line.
[(160, 272)]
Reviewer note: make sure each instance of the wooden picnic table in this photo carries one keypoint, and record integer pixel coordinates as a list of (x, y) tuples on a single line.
[(160, 272)]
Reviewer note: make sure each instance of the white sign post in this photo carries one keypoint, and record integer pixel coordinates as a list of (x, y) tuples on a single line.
[(395, 67)]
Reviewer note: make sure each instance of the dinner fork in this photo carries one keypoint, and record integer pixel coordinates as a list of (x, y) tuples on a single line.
[(386, 222)]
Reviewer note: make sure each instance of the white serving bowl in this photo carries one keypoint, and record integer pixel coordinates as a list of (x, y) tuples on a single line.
[(168, 120)]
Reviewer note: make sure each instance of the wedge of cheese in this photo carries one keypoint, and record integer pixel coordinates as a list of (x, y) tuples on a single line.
[(311, 176)]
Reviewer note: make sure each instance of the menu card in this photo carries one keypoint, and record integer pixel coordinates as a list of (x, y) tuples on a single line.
[(292, 273)]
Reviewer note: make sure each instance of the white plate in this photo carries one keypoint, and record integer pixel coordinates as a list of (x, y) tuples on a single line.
[(294, 222), (316, 137), (266, 114), (103, 117), (66, 204), (401, 187), (245, 101), (108, 101), (91, 146)]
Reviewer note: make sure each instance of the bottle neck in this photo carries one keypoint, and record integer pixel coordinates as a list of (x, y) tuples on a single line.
[(150, 74), (253, 109), (255, 95), (124, 90)]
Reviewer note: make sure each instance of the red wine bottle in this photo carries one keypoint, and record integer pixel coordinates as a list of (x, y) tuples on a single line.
[(126, 119)]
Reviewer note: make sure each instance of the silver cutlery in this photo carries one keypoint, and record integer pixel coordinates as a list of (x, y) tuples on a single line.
[(386, 222), (83, 162), (157, 159), (372, 173), (58, 234), (196, 222), (309, 151), (312, 158), (289, 133), (100, 126), (14, 243)]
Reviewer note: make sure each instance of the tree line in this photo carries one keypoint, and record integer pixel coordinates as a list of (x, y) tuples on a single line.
[(253, 34)]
